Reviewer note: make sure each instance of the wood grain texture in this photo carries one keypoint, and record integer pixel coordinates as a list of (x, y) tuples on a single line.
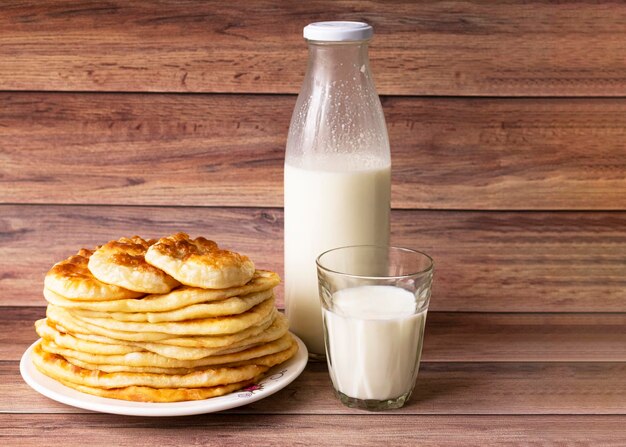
[(441, 388), (18, 332), (496, 261), (349, 430), (479, 337), (450, 336), (420, 48), (225, 150), (520, 199)]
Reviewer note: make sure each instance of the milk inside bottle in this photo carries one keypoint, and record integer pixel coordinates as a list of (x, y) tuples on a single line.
[(337, 167)]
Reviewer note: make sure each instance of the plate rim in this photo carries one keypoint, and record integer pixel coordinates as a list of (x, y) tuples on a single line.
[(78, 399)]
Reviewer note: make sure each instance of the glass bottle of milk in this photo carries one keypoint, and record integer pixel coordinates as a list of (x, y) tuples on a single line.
[(337, 167)]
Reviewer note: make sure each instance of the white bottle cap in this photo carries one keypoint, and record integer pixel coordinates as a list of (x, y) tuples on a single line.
[(338, 31)]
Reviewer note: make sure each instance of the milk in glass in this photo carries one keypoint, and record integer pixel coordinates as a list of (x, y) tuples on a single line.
[(375, 341)]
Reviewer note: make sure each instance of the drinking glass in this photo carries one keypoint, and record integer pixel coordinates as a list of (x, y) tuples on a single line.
[(374, 304)]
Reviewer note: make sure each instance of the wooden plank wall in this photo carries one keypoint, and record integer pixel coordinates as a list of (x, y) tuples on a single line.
[(507, 123)]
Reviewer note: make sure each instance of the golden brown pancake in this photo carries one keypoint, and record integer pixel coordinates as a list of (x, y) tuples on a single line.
[(65, 322), (200, 262), (96, 344), (203, 326), (176, 299), (144, 358), (72, 279), (148, 394), (68, 341), (123, 263), (277, 329), (57, 367), (268, 360), (123, 368), (229, 306)]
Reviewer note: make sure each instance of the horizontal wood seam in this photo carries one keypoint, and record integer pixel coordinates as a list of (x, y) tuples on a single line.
[(472, 312), (261, 207), (286, 94)]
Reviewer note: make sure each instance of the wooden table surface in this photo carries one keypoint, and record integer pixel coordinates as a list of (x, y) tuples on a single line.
[(506, 121), (553, 379)]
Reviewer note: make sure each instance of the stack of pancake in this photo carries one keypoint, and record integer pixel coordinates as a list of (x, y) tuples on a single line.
[(160, 321)]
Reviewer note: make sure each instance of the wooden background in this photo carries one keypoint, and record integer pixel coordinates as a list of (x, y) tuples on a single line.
[(507, 123)]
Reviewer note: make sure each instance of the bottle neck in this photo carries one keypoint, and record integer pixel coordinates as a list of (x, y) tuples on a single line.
[(346, 61), (338, 118)]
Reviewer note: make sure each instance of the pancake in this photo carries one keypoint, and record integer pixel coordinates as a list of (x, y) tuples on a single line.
[(72, 279), (65, 322), (215, 341), (205, 326), (61, 317), (109, 346), (229, 306), (150, 359), (176, 299), (123, 264), (268, 360), (122, 368), (278, 328), (68, 341), (149, 394), (271, 359), (57, 367), (200, 262)]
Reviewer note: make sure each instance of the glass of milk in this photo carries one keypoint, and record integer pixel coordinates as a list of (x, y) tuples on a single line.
[(374, 302)]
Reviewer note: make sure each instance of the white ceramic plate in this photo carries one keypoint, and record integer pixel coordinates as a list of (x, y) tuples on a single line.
[(277, 378)]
